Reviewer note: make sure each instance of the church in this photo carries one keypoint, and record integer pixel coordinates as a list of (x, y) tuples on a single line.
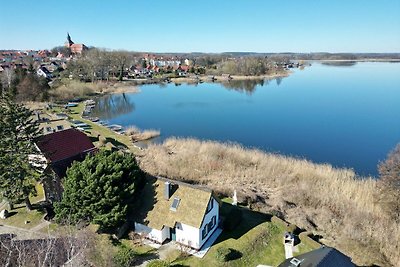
[(75, 48)]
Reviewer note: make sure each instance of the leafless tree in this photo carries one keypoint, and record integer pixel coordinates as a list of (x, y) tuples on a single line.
[(7, 77), (66, 248)]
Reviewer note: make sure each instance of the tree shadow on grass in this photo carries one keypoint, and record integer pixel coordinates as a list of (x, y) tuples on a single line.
[(234, 254), (250, 219), (115, 142), (11, 213)]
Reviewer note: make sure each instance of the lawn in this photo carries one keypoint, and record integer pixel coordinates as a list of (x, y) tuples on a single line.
[(20, 214), (256, 240)]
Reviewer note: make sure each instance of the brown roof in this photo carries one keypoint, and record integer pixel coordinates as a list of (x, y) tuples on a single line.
[(191, 209), (64, 144)]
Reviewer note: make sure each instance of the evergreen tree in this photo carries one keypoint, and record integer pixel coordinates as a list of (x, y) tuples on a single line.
[(18, 175), (99, 189)]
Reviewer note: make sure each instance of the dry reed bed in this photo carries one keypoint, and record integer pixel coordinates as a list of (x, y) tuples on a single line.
[(332, 202), (140, 135)]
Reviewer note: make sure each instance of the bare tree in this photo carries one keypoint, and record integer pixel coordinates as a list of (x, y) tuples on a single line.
[(7, 77)]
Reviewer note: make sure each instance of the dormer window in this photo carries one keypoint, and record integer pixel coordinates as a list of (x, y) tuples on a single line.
[(175, 204)]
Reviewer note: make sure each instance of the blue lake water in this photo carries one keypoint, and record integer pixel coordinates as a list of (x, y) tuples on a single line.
[(348, 116)]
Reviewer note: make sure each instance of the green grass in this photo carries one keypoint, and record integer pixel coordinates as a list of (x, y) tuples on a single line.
[(39, 193), (256, 239), (96, 129), (20, 214)]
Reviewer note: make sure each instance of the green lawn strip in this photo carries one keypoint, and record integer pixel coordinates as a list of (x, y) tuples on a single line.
[(111, 136), (39, 192)]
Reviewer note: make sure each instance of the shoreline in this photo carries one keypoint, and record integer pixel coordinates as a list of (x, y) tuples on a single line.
[(221, 78), (389, 60)]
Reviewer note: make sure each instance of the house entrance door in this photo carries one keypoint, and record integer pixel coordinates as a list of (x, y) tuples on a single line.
[(173, 234)]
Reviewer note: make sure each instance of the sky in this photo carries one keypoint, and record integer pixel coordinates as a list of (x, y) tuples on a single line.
[(204, 26)]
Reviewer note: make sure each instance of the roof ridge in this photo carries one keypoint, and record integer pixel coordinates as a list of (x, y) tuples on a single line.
[(194, 186)]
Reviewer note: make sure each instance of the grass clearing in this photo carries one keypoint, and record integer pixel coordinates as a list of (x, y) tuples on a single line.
[(20, 214)]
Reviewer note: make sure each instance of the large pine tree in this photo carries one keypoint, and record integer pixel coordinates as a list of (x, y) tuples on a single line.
[(99, 189), (17, 132)]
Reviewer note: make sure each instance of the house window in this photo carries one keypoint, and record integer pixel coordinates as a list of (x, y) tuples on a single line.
[(204, 232), (208, 227), (210, 205)]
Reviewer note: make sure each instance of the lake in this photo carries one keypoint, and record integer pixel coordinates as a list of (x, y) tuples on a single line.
[(348, 116)]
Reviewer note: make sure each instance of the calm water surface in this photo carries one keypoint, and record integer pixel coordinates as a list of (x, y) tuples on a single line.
[(347, 116)]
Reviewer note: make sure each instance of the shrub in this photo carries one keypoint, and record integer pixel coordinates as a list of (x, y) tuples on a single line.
[(158, 263), (222, 254), (233, 219), (227, 254), (125, 257)]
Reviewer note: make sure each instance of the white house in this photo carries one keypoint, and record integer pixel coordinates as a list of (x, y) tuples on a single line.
[(180, 212), (44, 72)]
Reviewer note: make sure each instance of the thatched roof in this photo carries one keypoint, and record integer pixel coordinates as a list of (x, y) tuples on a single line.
[(190, 211)]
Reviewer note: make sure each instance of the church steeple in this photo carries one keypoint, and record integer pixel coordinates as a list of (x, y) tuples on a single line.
[(69, 42)]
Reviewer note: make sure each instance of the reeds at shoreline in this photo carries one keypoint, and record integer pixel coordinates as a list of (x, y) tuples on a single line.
[(334, 203)]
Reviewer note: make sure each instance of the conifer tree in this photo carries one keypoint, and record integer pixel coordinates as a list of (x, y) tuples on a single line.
[(18, 175), (99, 189)]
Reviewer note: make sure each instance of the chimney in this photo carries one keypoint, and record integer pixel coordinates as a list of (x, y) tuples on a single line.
[(167, 190)]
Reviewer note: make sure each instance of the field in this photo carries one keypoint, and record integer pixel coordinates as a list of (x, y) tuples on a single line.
[(335, 204)]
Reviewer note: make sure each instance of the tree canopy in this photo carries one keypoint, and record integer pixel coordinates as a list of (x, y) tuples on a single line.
[(100, 189)]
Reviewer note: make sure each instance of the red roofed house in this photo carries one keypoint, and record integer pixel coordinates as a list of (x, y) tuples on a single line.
[(61, 149)]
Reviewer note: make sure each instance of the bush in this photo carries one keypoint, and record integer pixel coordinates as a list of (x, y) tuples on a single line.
[(222, 254), (125, 257), (233, 219), (227, 254), (158, 263)]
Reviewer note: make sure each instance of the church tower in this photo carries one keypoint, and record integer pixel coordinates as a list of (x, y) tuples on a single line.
[(69, 42)]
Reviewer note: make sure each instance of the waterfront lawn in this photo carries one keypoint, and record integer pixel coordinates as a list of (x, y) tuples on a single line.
[(256, 240), (119, 140), (96, 129)]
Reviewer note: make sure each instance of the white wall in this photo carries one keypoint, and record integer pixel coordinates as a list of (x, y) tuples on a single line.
[(187, 235), (165, 233), (152, 234)]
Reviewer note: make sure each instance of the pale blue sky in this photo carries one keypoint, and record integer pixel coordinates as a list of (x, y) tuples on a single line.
[(204, 26)]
